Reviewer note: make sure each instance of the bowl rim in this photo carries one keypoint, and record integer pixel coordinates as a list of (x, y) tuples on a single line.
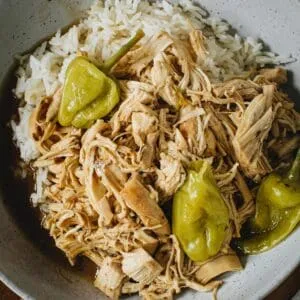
[(13, 286), (270, 285)]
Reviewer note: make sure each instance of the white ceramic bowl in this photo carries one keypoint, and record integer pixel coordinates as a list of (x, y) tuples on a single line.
[(26, 263)]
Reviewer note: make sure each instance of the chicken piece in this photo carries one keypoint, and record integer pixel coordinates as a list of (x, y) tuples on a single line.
[(165, 129), (39, 129), (162, 75), (199, 83), (217, 266), (277, 75), (192, 128), (197, 41), (211, 142), (140, 266), (93, 171), (96, 191), (109, 278), (71, 246), (148, 242), (286, 120), (193, 77), (138, 97), (246, 193), (177, 274), (67, 147), (142, 125), (170, 175), (227, 124), (52, 111), (90, 135), (138, 198), (180, 142), (246, 88), (218, 129), (137, 60), (148, 151), (236, 117), (142, 92), (251, 133), (113, 179), (189, 130), (38, 116), (56, 168)]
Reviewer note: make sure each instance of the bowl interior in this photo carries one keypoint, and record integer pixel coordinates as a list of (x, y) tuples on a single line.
[(29, 263)]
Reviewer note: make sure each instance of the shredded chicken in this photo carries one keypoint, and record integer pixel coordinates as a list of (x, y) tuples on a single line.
[(109, 278), (139, 199), (140, 266), (106, 185), (220, 264), (252, 132), (170, 175)]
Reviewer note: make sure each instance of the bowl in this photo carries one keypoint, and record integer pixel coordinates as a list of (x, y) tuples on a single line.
[(29, 264)]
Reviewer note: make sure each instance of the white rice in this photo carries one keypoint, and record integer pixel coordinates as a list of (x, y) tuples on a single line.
[(41, 178), (107, 26), (21, 135)]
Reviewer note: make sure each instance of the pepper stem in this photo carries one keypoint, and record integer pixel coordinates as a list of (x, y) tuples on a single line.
[(110, 62), (293, 175)]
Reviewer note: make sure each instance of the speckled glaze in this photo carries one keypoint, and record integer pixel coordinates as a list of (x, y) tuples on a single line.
[(29, 271)]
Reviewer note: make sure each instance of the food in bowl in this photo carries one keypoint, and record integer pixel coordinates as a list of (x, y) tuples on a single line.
[(154, 136)]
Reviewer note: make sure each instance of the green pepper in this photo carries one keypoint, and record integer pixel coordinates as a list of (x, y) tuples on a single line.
[(100, 107), (200, 215), (88, 93), (277, 211)]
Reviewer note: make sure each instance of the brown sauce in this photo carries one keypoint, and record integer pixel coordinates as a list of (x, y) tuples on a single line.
[(16, 191)]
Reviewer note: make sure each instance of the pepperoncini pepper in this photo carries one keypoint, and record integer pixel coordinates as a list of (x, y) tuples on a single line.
[(277, 210), (88, 93), (200, 215)]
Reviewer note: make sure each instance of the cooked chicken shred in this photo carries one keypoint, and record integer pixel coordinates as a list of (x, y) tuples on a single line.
[(106, 185)]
